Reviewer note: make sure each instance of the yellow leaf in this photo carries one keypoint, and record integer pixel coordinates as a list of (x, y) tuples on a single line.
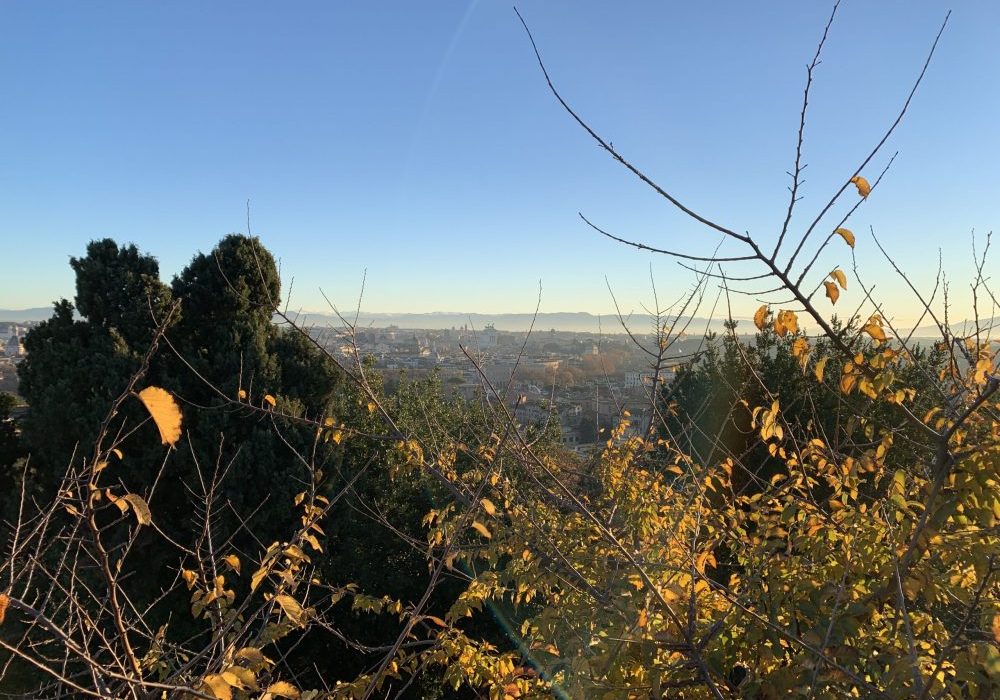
[(832, 292), (257, 578), (139, 507), (875, 331), (117, 453), (846, 235), (283, 689), (841, 278), (862, 184), (996, 626), (291, 608), (121, 503), (847, 382), (983, 367), (371, 406), (488, 506), (232, 679), (245, 676), (482, 529), (190, 577), (4, 602), (820, 367), (786, 322), (255, 660), (800, 347), (219, 687), (313, 542), (233, 561), (643, 618), (760, 317), (242, 394), (700, 561), (269, 400), (165, 412)]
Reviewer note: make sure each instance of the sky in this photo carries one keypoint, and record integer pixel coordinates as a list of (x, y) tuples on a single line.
[(416, 146)]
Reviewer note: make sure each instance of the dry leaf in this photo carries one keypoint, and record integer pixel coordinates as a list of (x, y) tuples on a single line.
[(875, 331), (291, 608), (233, 561), (482, 530), (4, 602), (841, 278), (218, 686), (165, 412), (190, 577), (283, 689), (139, 507), (832, 292), (257, 577), (246, 678), (785, 323), (121, 503), (820, 367), (846, 234), (269, 400), (760, 317), (253, 657), (488, 506), (862, 184)]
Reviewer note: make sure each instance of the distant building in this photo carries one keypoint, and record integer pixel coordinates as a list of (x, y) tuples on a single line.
[(635, 380), (488, 338), (14, 347)]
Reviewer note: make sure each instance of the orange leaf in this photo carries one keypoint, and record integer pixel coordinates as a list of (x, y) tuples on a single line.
[(760, 317), (846, 234), (832, 292), (4, 602), (862, 184), (841, 278)]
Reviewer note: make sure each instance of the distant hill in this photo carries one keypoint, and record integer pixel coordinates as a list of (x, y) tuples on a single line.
[(572, 322), (21, 315)]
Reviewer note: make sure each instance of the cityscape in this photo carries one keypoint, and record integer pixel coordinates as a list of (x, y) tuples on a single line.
[(582, 382)]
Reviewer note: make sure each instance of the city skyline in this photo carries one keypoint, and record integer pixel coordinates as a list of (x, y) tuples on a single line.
[(420, 149)]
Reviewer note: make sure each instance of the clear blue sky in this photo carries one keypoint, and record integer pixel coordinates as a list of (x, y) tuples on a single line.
[(418, 140)]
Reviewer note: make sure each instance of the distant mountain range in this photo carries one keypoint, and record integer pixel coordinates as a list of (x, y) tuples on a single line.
[(572, 322), (21, 315)]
